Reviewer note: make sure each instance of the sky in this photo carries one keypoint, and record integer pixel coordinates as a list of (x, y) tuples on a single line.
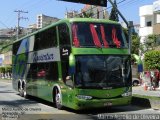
[(54, 8)]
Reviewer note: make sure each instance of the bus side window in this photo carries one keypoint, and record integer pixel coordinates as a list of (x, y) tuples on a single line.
[(46, 39), (32, 73), (64, 35), (64, 43), (51, 71), (16, 47)]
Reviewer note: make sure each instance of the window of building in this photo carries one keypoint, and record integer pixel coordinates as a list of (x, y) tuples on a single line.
[(149, 23)]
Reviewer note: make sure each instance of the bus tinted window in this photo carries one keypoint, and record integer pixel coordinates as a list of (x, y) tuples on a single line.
[(102, 71), (47, 71), (98, 34), (46, 39), (16, 47), (64, 35)]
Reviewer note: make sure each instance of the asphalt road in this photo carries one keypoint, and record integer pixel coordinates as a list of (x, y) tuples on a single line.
[(14, 107)]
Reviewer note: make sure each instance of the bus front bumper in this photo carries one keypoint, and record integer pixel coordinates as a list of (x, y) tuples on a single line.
[(100, 103)]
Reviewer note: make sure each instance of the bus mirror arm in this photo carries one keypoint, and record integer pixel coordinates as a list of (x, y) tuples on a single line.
[(69, 81)]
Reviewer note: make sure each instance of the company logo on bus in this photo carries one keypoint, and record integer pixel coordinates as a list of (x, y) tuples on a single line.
[(46, 55), (43, 57)]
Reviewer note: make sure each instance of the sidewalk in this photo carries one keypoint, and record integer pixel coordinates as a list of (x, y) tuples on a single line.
[(139, 90), (146, 98), (6, 80)]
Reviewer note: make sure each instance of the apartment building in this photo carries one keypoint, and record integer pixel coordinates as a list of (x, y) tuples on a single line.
[(149, 21), (44, 20), (97, 11)]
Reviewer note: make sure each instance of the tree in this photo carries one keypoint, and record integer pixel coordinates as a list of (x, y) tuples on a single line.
[(114, 14), (150, 43), (86, 14), (152, 60), (135, 41), (135, 44)]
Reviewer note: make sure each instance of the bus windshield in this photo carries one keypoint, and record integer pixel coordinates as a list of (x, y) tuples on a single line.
[(98, 35), (102, 71)]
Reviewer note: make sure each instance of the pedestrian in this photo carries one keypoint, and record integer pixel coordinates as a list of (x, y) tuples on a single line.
[(153, 80)]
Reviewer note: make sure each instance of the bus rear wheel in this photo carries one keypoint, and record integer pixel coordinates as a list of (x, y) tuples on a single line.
[(22, 91), (58, 100)]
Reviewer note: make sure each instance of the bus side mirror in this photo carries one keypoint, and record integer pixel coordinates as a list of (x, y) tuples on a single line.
[(72, 64), (69, 81)]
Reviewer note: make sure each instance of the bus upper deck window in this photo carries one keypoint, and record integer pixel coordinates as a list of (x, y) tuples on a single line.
[(75, 37)]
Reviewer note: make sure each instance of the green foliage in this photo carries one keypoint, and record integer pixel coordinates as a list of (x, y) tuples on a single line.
[(151, 43), (135, 44), (86, 15), (114, 14), (6, 48), (2, 69), (125, 30), (152, 60), (5, 69), (8, 69)]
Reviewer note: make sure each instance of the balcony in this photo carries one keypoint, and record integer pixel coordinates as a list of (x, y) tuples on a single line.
[(156, 29), (145, 31), (146, 10)]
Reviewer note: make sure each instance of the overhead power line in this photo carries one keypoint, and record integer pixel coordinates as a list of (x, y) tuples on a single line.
[(19, 17), (4, 24), (110, 6)]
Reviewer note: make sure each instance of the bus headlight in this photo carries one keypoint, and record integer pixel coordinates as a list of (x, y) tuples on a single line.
[(126, 94), (84, 97)]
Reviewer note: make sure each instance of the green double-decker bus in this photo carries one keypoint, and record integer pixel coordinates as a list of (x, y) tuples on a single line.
[(78, 63)]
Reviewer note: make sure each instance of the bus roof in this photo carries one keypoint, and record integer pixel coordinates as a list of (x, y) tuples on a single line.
[(91, 20), (69, 20)]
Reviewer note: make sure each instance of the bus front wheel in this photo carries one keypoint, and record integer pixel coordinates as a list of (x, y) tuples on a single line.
[(58, 100)]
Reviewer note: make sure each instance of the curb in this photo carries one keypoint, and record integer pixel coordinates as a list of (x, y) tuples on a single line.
[(143, 102), (146, 102), (9, 81)]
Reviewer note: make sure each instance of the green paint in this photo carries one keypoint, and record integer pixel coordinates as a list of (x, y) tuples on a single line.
[(43, 88), (79, 51)]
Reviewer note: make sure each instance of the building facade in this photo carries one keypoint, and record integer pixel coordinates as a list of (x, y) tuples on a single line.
[(71, 14), (98, 12), (44, 20), (92, 11), (149, 21)]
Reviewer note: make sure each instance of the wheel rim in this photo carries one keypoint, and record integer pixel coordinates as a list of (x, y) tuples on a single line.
[(20, 92), (24, 92), (58, 99), (135, 83)]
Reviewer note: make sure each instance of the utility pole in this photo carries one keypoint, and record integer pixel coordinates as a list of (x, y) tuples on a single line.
[(19, 18)]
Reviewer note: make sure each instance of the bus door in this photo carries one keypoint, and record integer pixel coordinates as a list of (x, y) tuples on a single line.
[(65, 49)]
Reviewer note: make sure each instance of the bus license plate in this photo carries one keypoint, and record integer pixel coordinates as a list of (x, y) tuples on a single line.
[(108, 104)]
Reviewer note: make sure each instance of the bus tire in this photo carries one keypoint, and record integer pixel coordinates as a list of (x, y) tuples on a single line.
[(24, 91), (58, 100), (20, 93), (20, 89)]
